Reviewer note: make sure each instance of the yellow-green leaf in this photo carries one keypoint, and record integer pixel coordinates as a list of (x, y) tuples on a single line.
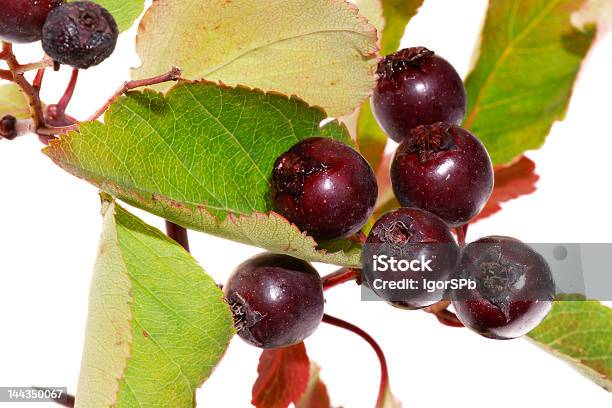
[(580, 332), (522, 83), (13, 102), (322, 51), (157, 324)]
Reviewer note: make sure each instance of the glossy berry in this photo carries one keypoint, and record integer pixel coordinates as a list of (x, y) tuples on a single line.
[(80, 34), (514, 288), (443, 169), (324, 187), (277, 300), (416, 87), (8, 128), (409, 234), (21, 21)]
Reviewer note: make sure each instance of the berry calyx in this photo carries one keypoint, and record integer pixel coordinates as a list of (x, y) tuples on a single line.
[(21, 21), (443, 169), (8, 127), (408, 234), (514, 288), (416, 87), (80, 34), (276, 300), (324, 187)]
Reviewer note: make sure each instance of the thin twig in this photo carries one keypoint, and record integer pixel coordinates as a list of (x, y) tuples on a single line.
[(6, 75), (173, 75), (178, 233), (384, 371), (342, 275), (45, 63), (30, 92), (37, 83)]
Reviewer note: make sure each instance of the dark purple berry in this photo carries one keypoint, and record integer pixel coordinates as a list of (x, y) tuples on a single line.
[(80, 34), (8, 127), (514, 288), (276, 300), (324, 187), (443, 169), (416, 87), (21, 21), (410, 234)]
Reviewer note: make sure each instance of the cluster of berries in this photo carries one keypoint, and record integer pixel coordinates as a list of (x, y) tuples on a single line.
[(441, 175)]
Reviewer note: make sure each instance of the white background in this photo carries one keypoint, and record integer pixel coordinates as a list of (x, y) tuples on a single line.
[(50, 226)]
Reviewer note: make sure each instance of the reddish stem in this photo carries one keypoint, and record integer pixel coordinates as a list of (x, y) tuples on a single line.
[(448, 318), (384, 371), (342, 275), (461, 233), (173, 75), (29, 91), (6, 75), (65, 100), (178, 233), (37, 83), (443, 315)]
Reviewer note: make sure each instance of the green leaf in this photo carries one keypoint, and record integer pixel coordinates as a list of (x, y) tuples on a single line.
[(13, 102), (202, 156), (580, 332), (157, 324), (370, 137), (522, 83), (324, 53), (124, 11), (396, 15)]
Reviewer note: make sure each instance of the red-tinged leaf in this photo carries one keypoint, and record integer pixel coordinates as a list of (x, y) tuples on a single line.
[(316, 395), (517, 179), (283, 377)]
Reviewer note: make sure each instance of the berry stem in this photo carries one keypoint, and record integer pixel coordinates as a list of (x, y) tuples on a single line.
[(444, 316), (178, 233), (6, 75), (30, 92), (384, 371), (342, 275), (40, 74), (65, 100), (173, 75), (448, 318), (461, 233)]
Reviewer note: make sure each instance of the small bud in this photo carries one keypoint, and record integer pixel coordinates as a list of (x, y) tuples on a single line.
[(8, 127)]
